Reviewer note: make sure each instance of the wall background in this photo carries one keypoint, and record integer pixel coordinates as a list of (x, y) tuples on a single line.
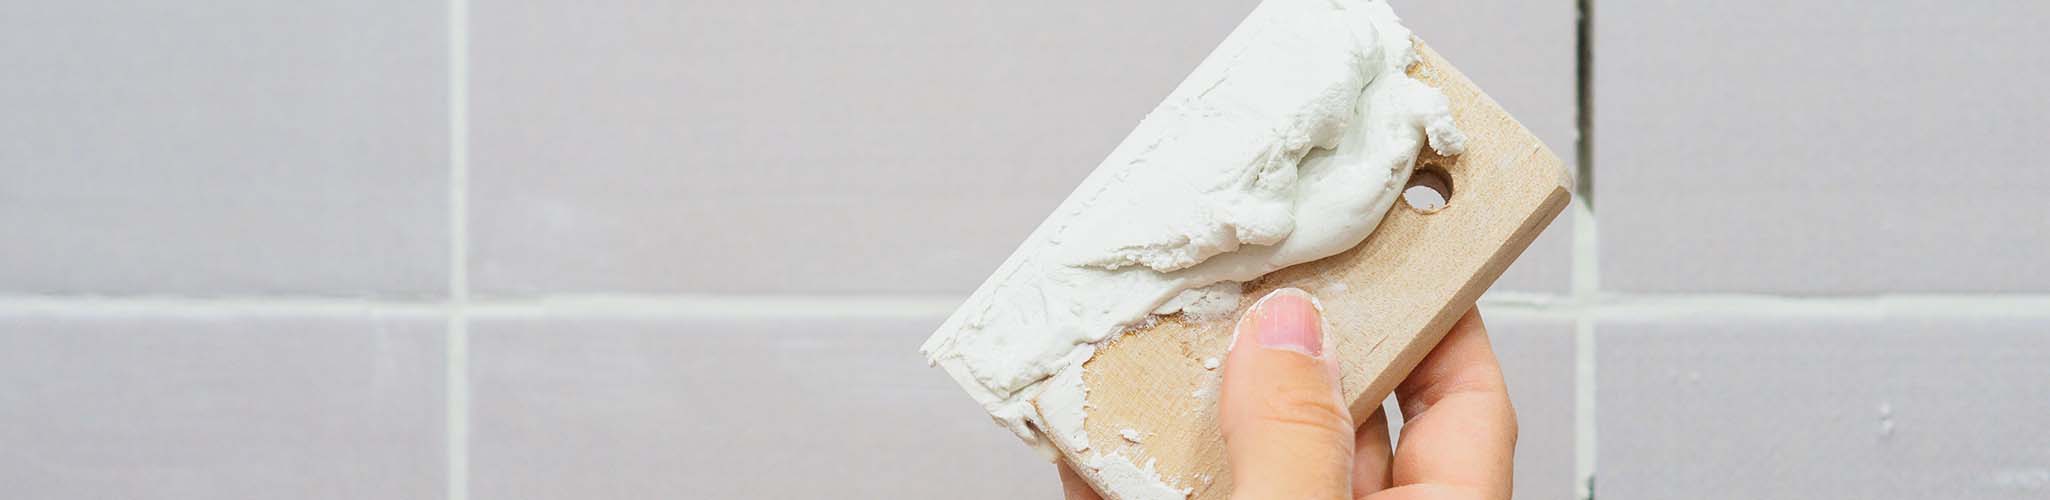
[(552, 249)]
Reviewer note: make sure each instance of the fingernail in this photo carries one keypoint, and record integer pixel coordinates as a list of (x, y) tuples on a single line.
[(1288, 319)]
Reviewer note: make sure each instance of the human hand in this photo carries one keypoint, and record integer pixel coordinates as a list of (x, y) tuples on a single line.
[(1288, 435)]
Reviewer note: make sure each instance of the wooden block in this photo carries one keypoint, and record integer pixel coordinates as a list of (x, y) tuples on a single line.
[(1388, 300)]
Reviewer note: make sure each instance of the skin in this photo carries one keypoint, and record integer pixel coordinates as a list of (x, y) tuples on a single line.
[(1288, 436)]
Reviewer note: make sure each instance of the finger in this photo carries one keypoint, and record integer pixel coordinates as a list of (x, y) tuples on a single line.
[(1429, 492), (1371, 455), (1286, 435), (1458, 427), (1072, 485)]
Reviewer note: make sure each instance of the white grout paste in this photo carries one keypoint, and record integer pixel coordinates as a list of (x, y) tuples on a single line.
[(1287, 144)]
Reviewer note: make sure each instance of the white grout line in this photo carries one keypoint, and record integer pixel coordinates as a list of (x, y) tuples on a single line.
[(457, 374), (1657, 306), (1586, 257), (80, 305), (458, 410), (1585, 411), (1586, 296), (723, 306), (1604, 306), (1532, 301), (1586, 279)]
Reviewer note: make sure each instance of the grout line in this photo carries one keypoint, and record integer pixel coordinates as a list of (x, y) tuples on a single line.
[(724, 306), (1583, 97), (1538, 301), (1606, 306), (1587, 298), (1585, 410), (1586, 258), (457, 375), (1657, 306), (458, 410), (254, 306)]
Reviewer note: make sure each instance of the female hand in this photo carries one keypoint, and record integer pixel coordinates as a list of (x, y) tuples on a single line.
[(1288, 435)]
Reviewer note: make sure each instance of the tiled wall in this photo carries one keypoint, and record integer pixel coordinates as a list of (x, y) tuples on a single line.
[(553, 249), (1822, 241)]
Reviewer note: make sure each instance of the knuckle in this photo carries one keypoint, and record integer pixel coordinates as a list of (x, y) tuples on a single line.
[(1513, 427), (1304, 406)]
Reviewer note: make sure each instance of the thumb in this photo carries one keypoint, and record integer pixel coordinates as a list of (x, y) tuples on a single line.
[(1286, 434)]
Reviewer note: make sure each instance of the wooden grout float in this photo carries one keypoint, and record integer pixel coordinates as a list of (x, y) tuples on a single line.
[(1388, 300)]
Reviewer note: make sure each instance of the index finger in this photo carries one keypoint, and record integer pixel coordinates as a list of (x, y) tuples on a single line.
[(1459, 429)]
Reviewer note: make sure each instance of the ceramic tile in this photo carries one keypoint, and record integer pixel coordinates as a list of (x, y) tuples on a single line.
[(1538, 363), (594, 408), (1821, 147), (224, 148), (767, 147), (1815, 408), (200, 406)]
